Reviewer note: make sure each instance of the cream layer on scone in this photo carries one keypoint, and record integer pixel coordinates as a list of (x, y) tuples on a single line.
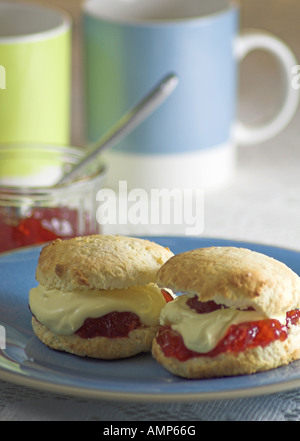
[(85, 279), (202, 332), (225, 289), (65, 312)]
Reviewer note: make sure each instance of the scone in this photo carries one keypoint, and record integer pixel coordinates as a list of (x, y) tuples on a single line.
[(97, 295), (238, 313)]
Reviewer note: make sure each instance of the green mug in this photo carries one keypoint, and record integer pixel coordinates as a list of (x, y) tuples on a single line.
[(35, 73)]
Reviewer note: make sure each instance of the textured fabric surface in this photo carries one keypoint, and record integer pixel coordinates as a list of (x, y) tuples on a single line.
[(25, 405)]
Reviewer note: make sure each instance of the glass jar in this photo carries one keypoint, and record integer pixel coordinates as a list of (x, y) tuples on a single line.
[(33, 209)]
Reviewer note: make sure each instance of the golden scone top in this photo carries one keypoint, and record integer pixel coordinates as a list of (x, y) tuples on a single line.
[(100, 262), (236, 277)]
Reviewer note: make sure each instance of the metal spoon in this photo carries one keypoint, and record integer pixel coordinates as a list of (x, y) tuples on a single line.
[(132, 119)]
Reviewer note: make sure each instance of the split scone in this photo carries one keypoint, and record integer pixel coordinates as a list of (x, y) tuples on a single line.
[(97, 295), (238, 314)]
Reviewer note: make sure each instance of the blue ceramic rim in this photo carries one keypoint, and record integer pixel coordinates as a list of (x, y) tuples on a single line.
[(277, 380)]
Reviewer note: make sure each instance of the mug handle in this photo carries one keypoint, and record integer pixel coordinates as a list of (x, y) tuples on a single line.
[(248, 41)]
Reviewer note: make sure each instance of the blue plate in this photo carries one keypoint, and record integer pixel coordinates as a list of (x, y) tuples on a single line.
[(28, 362)]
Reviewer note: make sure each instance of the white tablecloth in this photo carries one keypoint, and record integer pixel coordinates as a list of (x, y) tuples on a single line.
[(19, 404)]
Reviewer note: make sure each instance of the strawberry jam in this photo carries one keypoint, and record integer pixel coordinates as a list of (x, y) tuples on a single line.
[(238, 337), (167, 295), (39, 226), (203, 307), (112, 325)]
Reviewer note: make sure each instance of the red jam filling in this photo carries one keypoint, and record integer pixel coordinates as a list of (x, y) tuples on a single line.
[(114, 324), (237, 339), (166, 295), (39, 226)]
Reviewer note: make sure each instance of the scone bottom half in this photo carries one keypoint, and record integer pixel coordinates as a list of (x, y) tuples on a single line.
[(97, 295), (237, 312)]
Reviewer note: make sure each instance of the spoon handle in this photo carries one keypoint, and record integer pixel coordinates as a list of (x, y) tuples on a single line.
[(132, 119)]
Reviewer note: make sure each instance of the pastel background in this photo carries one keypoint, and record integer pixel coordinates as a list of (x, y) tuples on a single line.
[(35, 105), (257, 85), (262, 206)]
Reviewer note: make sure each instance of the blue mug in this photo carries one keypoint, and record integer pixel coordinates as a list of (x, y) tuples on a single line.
[(190, 141)]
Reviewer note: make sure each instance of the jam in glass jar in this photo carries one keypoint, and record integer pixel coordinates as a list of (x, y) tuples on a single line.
[(33, 209)]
